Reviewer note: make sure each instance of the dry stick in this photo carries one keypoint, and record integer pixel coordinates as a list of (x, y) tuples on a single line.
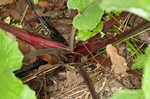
[(49, 68), (88, 81), (100, 45), (72, 39)]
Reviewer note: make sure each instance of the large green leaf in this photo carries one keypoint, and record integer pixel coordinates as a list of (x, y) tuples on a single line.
[(89, 13), (79, 4), (89, 18), (10, 60), (146, 80), (139, 7), (128, 94)]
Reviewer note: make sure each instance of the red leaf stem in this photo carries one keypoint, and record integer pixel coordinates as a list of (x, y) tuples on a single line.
[(33, 39)]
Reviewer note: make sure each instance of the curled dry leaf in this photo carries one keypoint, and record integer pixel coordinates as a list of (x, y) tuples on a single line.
[(119, 65)]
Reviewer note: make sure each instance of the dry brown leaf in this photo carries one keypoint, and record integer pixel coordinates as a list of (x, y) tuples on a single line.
[(46, 4), (119, 65), (4, 2), (51, 59)]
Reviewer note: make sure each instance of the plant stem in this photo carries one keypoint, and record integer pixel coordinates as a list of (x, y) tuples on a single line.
[(33, 39)]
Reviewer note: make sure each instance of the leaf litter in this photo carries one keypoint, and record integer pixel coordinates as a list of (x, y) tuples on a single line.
[(69, 84)]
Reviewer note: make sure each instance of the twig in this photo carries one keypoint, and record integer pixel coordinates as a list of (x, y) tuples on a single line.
[(49, 68), (88, 81), (72, 39), (24, 13)]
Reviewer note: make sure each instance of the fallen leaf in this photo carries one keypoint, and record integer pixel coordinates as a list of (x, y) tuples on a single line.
[(46, 4), (4, 2), (119, 65), (51, 59)]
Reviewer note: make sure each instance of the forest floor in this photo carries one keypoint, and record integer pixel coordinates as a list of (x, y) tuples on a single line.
[(61, 74)]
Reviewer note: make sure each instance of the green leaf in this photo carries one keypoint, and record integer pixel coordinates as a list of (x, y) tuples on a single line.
[(10, 60), (84, 35), (79, 4), (139, 7), (110, 5), (89, 18), (35, 1), (129, 94), (146, 80), (139, 62)]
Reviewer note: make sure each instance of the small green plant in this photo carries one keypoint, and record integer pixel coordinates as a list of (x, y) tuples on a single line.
[(11, 59), (88, 18), (91, 12)]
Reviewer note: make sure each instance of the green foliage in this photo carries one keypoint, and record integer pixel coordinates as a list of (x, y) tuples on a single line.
[(35, 1), (91, 11), (146, 80), (139, 7), (79, 4), (110, 15), (128, 94), (84, 35), (88, 18), (139, 62), (11, 59)]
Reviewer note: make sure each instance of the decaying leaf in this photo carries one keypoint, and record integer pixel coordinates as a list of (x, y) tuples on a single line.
[(4, 2), (46, 4), (119, 65), (51, 59)]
